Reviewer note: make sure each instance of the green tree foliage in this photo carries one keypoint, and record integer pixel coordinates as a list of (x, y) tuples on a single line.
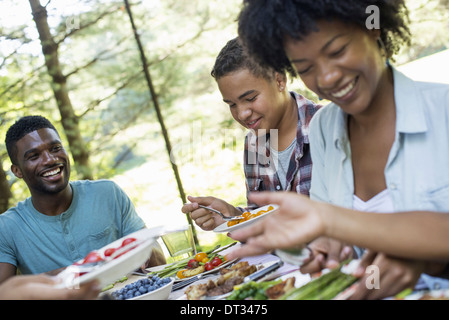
[(99, 57)]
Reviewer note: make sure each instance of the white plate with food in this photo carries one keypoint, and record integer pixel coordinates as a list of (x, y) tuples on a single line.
[(111, 262), (249, 218)]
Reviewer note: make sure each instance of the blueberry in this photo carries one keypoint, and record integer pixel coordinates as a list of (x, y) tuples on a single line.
[(142, 289)]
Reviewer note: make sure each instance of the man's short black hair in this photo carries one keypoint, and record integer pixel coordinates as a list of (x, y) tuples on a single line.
[(21, 128), (264, 24), (232, 58)]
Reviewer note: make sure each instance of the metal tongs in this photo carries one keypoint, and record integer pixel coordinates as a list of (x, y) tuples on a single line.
[(222, 215)]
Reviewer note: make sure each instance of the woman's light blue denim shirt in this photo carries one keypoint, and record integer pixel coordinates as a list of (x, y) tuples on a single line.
[(417, 170)]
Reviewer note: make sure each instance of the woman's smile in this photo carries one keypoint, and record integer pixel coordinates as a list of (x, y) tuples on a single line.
[(339, 62)]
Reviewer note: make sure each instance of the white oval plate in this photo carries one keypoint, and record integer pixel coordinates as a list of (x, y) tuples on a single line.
[(116, 268), (224, 226)]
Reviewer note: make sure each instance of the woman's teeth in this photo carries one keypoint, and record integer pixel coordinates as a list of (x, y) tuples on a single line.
[(341, 93)]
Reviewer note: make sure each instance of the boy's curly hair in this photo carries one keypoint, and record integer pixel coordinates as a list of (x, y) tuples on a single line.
[(21, 128), (264, 24), (232, 57)]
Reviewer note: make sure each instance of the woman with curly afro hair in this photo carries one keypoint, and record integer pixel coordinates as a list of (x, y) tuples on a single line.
[(265, 25), (381, 144)]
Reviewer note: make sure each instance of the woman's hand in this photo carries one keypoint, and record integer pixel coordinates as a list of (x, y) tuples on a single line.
[(326, 253), (297, 221), (389, 276)]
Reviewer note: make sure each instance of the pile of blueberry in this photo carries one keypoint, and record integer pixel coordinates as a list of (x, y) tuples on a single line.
[(140, 287)]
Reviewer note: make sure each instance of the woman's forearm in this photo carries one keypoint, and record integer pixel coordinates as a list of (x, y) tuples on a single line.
[(419, 235)]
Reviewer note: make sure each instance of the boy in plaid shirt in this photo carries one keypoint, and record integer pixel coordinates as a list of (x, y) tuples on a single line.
[(277, 153)]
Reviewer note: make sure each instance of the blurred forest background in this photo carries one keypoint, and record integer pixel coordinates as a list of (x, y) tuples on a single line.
[(90, 84)]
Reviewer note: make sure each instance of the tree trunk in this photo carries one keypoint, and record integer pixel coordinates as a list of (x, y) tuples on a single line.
[(59, 86), (159, 116), (5, 192)]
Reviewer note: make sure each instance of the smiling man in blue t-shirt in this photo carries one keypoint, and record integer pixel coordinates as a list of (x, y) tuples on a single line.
[(63, 220)]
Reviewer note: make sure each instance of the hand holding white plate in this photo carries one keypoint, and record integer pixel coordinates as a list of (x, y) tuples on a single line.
[(109, 270)]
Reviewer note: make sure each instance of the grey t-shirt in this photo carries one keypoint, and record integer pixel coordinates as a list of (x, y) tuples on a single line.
[(281, 160), (100, 213)]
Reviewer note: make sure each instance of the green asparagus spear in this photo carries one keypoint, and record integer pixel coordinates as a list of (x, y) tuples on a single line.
[(310, 289), (326, 286), (341, 283)]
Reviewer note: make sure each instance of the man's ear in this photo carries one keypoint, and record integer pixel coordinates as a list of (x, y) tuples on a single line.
[(16, 170)]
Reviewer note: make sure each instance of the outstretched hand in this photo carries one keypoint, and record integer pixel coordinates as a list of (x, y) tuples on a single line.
[(295, 223)]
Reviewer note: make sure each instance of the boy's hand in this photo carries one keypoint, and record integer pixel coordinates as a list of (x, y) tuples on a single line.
[(204, 218)]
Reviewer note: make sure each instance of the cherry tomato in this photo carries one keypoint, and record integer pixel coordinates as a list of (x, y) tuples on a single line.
[(128, 241), (216, 261), (109, 252), (208, 266), (192, 264), (200, 256), (205, 260), (91, 257)]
